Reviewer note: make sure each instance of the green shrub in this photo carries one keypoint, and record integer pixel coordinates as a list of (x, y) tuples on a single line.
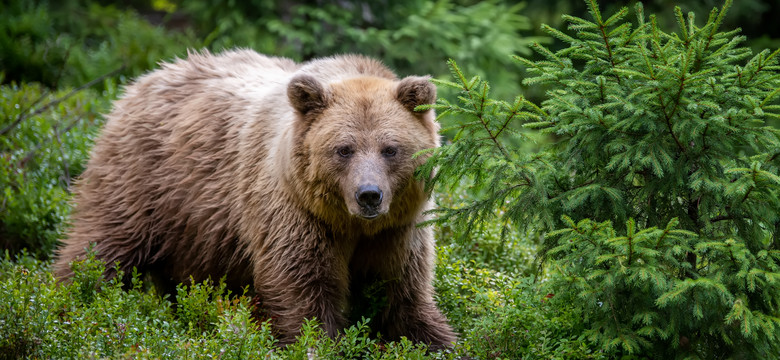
[(24, 315), (69, 43), (41, 319), (496, 245), (410, 36), (658, 171), (44, 141), (92, 317), (507, 315), (201, 305), (484, 283)]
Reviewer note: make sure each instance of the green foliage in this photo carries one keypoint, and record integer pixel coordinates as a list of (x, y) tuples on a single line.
[(754, 17), (201, 305), (499, 315), (506, 315), (92, 317), (657, 180), (483, 284), (44, 141), (496, 246), (410, 36), (41, 319), (68, 43)]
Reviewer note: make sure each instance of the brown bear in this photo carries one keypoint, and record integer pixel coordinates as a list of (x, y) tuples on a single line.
[(295, 179)]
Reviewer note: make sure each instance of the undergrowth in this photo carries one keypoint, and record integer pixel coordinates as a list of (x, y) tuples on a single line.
[(498, 316)]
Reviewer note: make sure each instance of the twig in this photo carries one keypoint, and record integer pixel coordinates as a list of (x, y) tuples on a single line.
[(57, 134), (21, 116), (65, 167)]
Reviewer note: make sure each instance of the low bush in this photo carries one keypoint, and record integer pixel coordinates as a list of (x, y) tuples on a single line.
[(69, 43), (410, 36), (92, 317), (498, 316), (45, 137)]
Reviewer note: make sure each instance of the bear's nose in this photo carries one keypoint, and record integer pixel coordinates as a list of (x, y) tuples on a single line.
[(369, 196)]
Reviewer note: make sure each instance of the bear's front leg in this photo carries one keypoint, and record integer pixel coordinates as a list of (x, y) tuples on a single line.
[(302, 280), (411, 310)]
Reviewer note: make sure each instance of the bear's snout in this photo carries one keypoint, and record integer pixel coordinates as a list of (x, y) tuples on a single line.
[(369, 197)]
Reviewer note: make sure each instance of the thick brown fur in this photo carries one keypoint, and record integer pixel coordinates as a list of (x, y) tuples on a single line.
[(252, 168)]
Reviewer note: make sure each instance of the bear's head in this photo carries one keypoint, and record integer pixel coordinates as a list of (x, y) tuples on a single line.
[(355, 140)]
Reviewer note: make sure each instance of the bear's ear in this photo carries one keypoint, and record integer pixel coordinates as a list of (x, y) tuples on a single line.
[(306, 94), (413, 91)]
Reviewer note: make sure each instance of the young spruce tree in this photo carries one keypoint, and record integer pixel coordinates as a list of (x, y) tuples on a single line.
[(656, 187)]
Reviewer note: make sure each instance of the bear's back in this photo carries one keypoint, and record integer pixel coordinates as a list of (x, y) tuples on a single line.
[(166, 163), (179, 157)]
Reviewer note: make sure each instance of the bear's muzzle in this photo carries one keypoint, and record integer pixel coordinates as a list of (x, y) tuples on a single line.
[(369, 197)]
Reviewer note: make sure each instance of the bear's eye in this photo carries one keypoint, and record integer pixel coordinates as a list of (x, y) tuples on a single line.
[(389, 151), (344, 151)]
